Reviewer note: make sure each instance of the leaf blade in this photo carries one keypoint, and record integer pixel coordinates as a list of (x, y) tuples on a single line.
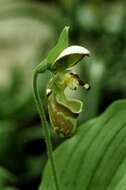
[(99, 159)]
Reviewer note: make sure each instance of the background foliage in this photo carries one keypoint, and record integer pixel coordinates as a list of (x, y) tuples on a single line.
[(28, 29)]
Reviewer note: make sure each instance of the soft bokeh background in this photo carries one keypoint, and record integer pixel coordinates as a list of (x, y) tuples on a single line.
[(28, 29)]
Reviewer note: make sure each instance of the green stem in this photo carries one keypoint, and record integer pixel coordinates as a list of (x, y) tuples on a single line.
[(44, 123)]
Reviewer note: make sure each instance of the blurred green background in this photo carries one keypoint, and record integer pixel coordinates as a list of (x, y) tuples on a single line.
[(28, 29)]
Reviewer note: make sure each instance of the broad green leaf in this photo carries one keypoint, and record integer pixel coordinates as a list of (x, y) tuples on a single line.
[(62, 43), (95, 157)]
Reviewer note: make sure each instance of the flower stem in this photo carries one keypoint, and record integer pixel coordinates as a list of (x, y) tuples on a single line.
[(44, 123)]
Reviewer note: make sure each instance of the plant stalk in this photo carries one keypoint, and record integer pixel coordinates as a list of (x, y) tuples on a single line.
[(44, 124)]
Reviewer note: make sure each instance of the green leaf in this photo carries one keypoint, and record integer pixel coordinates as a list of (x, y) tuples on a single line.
[(60, 46), (95, 157)]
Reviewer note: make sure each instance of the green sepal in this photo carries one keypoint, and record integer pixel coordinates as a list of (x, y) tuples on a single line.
[(54, 52), (62, 43), (42, 66)]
